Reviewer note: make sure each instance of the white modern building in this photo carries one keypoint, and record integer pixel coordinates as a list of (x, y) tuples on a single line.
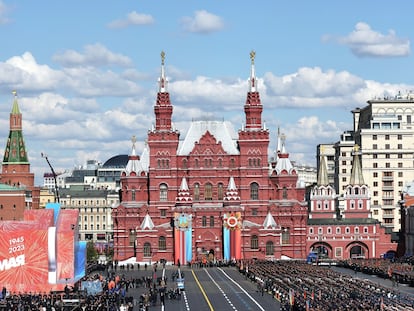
[(384, 131)]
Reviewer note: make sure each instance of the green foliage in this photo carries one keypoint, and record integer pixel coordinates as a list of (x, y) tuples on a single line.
[(91, 252)]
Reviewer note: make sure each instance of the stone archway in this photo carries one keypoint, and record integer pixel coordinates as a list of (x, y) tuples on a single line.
[(322, 250), (357, 250)]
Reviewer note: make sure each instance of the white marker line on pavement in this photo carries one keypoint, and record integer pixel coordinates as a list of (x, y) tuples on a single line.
[(241, 288), (222, 292)]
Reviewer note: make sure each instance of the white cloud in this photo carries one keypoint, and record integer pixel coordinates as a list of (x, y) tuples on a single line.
[(202, 22), (215, 91), (24, 73), (365, 42), (94, 55), (95, 112), (132, 18)]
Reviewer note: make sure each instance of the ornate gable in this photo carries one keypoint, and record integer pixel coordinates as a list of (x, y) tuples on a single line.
[(207, 145)]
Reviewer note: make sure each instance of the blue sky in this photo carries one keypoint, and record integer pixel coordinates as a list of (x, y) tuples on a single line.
[(86, 71)]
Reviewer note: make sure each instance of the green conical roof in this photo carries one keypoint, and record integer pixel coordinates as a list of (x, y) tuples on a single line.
[(15, 151)]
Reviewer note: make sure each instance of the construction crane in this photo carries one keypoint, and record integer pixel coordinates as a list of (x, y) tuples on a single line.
[(54, 177)]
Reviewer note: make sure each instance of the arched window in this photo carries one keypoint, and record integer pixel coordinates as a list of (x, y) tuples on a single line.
[(269, 248), (163, 192), (254, 191), (285, 236), (162, 245), (211, 221), (208, 192), (133, 195), (204, 221), (147, 249), (184, 163), (220, 193), (197, 192), (254, 242)]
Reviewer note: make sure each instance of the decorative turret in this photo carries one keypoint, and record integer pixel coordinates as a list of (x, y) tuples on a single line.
[(134, 179), (253, 107), (184, 196), (269, 222), (15, 152), (232, 194), (163, 108), (356, 197), (283, 165), (356, 173), (16, 166), (147, 223), (323, 170), (323, 195), (134, 167)]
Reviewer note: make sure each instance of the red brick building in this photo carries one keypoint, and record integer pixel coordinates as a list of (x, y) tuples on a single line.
[(214, 194), (341, 227), (17, 190), (211, 194)]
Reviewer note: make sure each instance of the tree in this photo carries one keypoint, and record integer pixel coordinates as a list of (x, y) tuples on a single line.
[(91, 252)]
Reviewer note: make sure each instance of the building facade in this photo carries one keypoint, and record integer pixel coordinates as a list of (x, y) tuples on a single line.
[(95, 213), (212, 194), (340, 226), (384, 131)]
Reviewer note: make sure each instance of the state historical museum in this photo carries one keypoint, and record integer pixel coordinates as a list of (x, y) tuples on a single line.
[(215, 195)]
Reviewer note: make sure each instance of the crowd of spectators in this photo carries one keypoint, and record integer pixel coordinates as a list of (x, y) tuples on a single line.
[(401, 271), (302, 286)]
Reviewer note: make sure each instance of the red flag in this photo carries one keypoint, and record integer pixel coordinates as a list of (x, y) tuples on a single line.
[(304, 295)]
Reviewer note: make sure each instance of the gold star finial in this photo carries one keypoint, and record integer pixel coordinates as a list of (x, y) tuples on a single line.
[(14, 92), (252, 56)]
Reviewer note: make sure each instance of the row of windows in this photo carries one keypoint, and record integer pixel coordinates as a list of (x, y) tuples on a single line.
[(91, 227), (208, 192), (388, 156), (254, 244), (85, 218), (338, 230), (387, 137), (387, 146), (208, 162), (86, 202), (388, 165)]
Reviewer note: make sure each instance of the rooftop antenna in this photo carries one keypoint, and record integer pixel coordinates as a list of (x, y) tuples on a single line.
[(54, 177)]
